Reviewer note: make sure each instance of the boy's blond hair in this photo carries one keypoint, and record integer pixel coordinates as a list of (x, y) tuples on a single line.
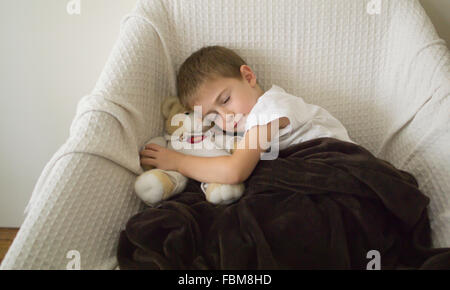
[(206, 64)]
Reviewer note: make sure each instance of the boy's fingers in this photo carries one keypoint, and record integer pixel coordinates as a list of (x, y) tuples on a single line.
[(147, 153), (152, 146), (148, 161)]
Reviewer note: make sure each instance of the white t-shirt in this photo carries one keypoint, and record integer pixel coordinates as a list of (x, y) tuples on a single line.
[(307, 121)]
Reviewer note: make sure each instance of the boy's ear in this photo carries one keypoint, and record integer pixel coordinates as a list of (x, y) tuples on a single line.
[(248, 74)]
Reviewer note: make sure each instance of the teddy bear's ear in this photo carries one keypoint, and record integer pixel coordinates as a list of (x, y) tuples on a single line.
[(168, 104)]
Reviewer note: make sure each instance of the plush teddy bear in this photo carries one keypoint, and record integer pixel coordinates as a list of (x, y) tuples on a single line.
[(187, 137)]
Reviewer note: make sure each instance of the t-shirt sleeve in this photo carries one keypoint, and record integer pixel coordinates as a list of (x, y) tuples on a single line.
[(270, 108)]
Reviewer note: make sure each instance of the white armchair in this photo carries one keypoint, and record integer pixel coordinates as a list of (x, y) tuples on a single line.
[(385, 76)]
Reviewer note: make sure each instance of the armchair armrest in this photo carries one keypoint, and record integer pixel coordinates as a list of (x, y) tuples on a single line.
[(415, 88), (84, 195)]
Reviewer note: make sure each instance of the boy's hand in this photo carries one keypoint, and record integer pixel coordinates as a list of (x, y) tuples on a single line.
[(160, 157)]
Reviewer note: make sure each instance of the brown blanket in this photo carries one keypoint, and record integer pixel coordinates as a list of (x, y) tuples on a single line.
[(323, 204)]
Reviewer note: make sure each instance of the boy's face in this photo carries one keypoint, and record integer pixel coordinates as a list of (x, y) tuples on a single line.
[(227, 101)]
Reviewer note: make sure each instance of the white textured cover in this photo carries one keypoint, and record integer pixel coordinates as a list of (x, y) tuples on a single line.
[(384, 76)]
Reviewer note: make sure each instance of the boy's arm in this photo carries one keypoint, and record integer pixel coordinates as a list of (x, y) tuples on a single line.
[(255, 142), (230, 169), (207, 169)]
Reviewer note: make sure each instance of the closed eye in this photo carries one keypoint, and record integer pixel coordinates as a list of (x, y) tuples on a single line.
[(226, 100)]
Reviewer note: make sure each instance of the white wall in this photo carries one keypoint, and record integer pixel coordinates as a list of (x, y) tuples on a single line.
[(48, 61), (439, 12)]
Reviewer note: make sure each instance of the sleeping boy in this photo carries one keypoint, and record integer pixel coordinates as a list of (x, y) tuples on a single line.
[(226, 89)]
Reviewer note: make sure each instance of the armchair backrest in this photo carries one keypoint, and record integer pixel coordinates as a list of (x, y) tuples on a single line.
[(331, 53)]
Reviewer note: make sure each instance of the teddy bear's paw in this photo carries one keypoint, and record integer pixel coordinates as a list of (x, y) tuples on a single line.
[(217, 193), (153, 186)]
